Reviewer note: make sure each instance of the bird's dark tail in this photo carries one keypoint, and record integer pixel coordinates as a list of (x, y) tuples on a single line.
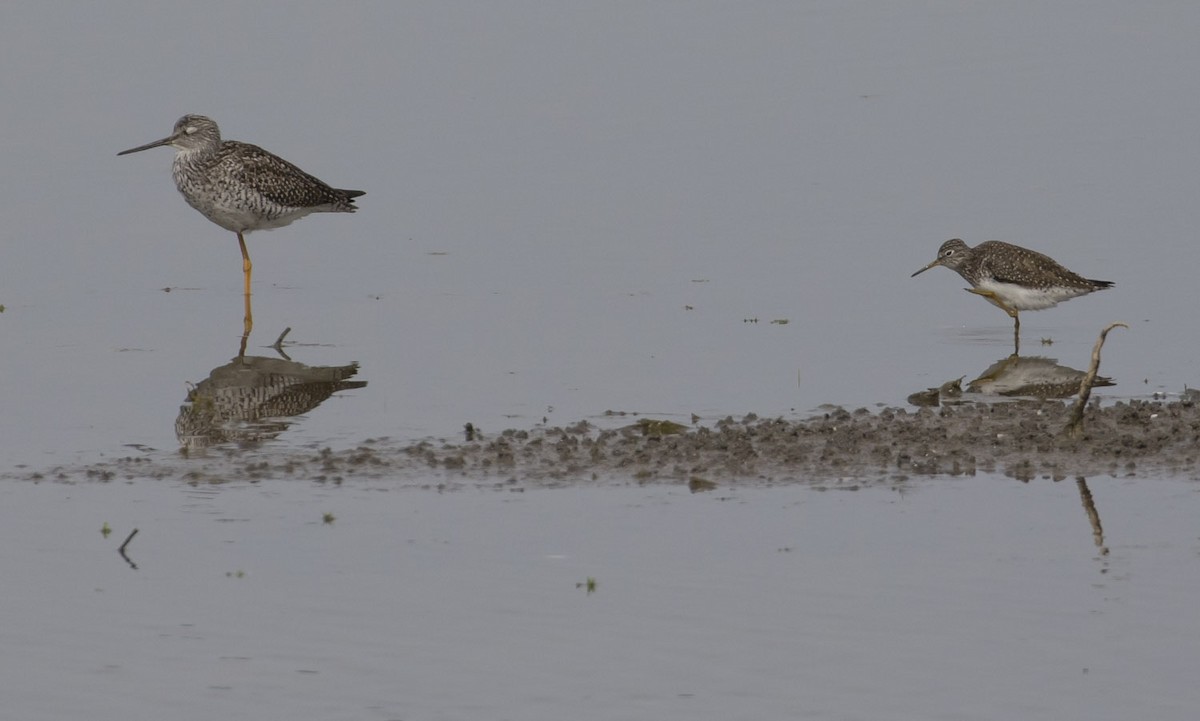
[(1101, 284), (352, 193)]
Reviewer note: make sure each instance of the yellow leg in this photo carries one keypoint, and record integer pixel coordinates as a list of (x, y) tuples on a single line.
[(246, 264), (247, 323), (248, 320), (1012, 313), (991, 298)]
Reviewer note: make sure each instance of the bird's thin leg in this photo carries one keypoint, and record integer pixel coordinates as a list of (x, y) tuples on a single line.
[(246, 264), (247, 320), (990, 297)]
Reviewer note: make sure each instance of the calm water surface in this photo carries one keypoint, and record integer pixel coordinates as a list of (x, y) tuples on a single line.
[(972, 598)]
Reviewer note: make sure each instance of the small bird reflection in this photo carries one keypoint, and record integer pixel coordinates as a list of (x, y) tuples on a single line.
[(252, 399), (1031, 376), (1013, 376)]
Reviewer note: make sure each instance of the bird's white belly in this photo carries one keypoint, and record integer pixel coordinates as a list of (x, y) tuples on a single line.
[(1023, 298), (242, 220)]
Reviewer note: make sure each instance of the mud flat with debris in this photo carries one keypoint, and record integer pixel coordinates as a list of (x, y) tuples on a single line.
[(1022, 440)]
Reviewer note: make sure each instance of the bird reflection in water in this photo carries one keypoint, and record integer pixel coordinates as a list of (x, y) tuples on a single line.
[(1012, 377), (1031, 376), (254, 398)]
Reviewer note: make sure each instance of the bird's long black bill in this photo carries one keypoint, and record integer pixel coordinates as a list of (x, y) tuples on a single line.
[(147, 146), (936, 262)]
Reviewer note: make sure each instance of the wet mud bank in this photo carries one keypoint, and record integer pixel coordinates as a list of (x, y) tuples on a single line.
[(1023, 440)]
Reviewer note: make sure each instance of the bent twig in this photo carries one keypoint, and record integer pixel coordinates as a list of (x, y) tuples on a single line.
[(1074, 427)]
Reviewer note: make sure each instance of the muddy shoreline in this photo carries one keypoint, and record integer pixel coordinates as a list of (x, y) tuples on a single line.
[(1022, 440)]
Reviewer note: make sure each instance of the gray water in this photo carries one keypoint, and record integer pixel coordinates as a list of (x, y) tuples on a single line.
[(662, 209), (966, 599)]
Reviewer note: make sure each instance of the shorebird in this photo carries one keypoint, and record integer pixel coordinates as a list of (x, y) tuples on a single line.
[(1013, 278), (242, 187)]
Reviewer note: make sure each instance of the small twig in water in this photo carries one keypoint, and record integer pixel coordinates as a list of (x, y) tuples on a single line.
[(121, 550), (132, 533), (1074, 428), (278, 346)]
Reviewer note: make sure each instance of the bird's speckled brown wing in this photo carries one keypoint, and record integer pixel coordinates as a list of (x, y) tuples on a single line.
[(279, 181), (1025, 267)]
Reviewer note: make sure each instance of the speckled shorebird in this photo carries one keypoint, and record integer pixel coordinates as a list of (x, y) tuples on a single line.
[(1013, 278), (242, 187)]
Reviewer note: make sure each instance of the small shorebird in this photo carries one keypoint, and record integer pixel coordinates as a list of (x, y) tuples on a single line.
[(242, 187), (1013, 278)]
